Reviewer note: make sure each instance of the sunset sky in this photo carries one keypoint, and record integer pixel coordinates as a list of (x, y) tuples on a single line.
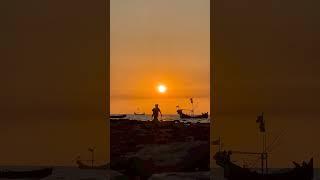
[(53, 72), (159, 42)]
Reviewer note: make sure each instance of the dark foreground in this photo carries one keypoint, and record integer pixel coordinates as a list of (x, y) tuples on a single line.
[(142, 148), (32, 174)]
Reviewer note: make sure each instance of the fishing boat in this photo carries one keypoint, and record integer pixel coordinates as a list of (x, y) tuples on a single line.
[(185, 116), (118, 116), (82, 165), (233, 171), (33, 174), (139, 114), (191, 116)]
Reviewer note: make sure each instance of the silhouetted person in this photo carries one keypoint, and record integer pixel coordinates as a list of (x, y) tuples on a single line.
[(155, 113)]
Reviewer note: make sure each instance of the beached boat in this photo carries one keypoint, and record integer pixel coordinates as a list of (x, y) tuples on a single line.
[(118, 116), (235, 172), (33, 174), (82, 165), (192, 116), (185, 116), (139, 113)]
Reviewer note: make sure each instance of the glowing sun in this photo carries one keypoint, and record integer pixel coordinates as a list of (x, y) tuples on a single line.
[(162, 88)]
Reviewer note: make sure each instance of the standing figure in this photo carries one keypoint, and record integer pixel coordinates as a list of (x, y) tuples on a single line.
[(155, 113)]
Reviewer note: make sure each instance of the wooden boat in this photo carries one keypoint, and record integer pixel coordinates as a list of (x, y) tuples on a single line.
[(185, 116), (33, 174), (118, 116), (139, 114), (235, 172), (81, 165)]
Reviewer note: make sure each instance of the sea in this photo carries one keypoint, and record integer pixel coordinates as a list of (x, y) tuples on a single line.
[(165, 117)]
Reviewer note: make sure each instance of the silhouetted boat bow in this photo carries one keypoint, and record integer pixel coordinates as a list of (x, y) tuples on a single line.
[(235, 172), (185, 116), (192, 116), (81, 165), (118, 116)]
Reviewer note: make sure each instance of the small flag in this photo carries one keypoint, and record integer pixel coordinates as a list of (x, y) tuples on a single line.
[(216, 142), (261, 122)]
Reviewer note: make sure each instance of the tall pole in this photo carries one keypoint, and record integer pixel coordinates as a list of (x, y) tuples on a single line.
[(263, 136), (264, 155), (219, 144), (192, 109), (266, 163), (262, 163), (92, 158), (265, 152)]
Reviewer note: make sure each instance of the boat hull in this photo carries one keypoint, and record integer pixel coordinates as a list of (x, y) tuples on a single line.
[(34, 174), (293, 174), (118, 116), (185, 116), (81, 165), (140, 114), (235, 172)]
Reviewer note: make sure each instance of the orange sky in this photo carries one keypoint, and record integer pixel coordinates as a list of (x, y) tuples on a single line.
[(155, 42)]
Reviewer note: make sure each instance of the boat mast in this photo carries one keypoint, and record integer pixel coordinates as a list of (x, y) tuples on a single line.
[(192, 110), (264, 154), (92, 155)]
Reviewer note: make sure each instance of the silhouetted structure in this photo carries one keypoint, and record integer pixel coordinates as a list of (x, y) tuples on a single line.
[(235, 172), (185, 116), (82, 165), (118, 116)]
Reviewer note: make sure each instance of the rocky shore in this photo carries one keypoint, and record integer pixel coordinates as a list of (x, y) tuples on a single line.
[(143, 148)]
